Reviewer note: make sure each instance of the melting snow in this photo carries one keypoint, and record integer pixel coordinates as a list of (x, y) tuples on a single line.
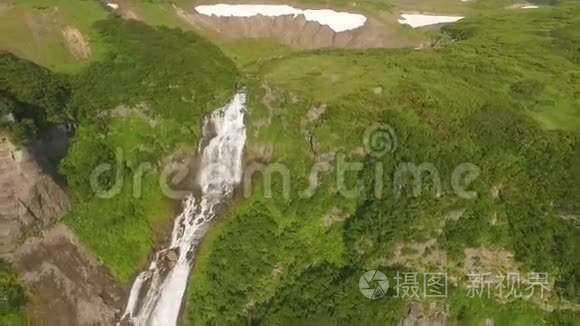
[(417, 20), (113, 5), (337, 21)]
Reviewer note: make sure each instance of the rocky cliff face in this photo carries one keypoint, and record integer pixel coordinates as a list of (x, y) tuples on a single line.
[(69, 285), (66, 283), (30, 199), (297, 32)]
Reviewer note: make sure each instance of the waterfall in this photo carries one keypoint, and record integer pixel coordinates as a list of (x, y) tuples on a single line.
[(157, 293)]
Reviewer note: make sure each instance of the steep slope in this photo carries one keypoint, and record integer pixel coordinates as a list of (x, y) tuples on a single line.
[(297, 32), (29, 198), (68, 286), (30, 142), (368, 149), (169, 79)]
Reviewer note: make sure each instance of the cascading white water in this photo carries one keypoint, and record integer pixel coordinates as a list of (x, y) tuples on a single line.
[(220, 170)]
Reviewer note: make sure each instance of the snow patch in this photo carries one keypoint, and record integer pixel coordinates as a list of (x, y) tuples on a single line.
[(417, 20), (113, 5), (337, 21)]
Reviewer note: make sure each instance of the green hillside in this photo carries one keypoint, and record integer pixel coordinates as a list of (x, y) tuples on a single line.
[(458, 155), (500, 92)]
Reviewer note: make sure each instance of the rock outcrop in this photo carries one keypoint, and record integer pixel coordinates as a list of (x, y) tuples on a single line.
[(418, 317), (30, 199), (68, 285)]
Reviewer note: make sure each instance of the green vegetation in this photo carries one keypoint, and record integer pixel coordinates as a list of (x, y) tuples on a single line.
[(138, 105), (248, 53), (12, 298), (165, 80), (179, 74), (30, 95), (500, 93), (519, 313)]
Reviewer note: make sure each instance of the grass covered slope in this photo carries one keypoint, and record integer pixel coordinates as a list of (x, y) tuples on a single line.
[(502, 94), (136, 107), (33, 30), (171, 70), (511, 56)]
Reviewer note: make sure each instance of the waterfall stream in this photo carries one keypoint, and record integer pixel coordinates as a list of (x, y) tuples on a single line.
[(157, 293)]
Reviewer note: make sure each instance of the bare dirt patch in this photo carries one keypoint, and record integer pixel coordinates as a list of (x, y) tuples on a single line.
[(418, 255), (139, 111), (315, 113), (334, 215), (297, 32), (418, 315), (76, 42), (495, 191), (489, 260), (259, 152), (5, 6), (68, 285), (572, 218)]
